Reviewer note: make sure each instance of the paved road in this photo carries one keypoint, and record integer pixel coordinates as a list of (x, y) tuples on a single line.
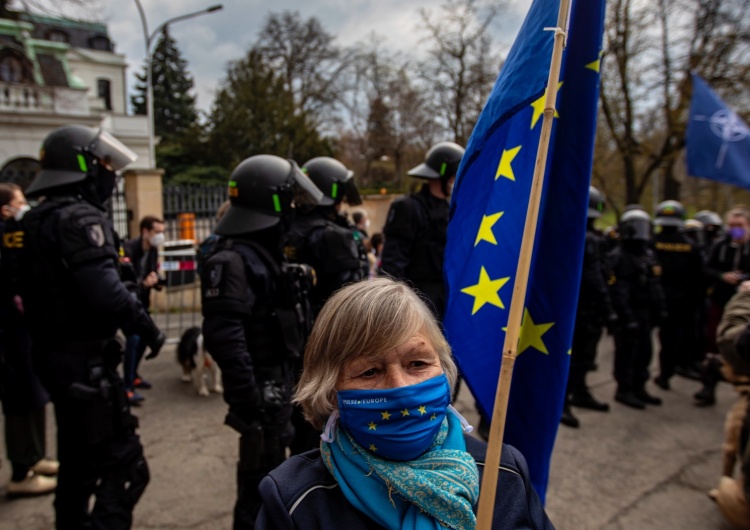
[(622, 470)]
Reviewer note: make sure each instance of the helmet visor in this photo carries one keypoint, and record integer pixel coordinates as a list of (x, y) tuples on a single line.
[(639, 230), (352, 193), (111, 152), (304, 191)]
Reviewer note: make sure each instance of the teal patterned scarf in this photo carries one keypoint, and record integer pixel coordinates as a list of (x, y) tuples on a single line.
[(437, 490)]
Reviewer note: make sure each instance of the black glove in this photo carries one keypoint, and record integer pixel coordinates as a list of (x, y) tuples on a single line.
[(155, 345), (632, 326)]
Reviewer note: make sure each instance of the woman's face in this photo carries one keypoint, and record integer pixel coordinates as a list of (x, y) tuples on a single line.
[(410, 363)]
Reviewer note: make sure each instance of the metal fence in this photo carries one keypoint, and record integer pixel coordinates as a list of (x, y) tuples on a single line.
[(189, 217), (118, 210)]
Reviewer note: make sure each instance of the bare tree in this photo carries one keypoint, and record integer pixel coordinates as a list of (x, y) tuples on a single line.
[(650, 51), (461, 69)]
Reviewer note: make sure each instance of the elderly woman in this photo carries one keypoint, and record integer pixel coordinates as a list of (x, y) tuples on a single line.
[(377, 378)]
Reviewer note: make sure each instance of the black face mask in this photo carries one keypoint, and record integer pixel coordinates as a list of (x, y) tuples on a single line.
[(104, 182)]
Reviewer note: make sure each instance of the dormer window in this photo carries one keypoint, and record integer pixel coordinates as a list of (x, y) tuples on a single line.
[(57, 35), (100, 42)]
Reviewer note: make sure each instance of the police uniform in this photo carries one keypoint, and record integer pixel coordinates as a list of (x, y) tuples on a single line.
[(64, 264), (325, 241), (639, 301), (682, 281), (256, 314), (416, 228)]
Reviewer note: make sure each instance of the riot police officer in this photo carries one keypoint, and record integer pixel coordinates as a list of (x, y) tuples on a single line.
[(256, 315), (323, 238), (416, 227), (594, 310), (638, 299), (64, 263), (682, 281), (713, 228)]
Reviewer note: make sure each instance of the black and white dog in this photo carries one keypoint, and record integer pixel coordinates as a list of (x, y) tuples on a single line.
[(197, 364)]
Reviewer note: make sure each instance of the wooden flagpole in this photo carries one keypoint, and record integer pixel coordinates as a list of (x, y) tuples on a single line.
[(488, 489)]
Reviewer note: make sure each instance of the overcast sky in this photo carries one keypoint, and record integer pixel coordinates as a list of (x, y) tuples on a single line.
[(210, 41)]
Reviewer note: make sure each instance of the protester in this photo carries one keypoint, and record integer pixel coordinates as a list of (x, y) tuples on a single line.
[(727, 265), (22, 394), (143, 253), (378, 374), (733, 492)]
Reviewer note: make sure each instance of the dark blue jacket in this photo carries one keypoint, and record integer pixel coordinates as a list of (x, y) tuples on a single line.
[(301, 493)]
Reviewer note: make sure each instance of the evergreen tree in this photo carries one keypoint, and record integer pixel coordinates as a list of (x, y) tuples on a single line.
[(174, 105), (254, 112)]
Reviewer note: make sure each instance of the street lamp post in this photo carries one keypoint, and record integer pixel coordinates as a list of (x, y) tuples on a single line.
[(149, 39)]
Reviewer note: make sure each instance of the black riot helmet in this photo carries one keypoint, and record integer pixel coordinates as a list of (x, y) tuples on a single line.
[(441, 162), (262, 192), (334, 179), (694, 231), (709, 218), (596, 203), (635, 225), (670, 213), (74, 153)]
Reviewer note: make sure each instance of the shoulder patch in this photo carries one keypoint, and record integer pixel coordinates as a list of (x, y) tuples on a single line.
[(95, 234)]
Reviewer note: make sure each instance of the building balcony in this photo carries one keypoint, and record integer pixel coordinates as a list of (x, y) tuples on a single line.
[(33, 99)]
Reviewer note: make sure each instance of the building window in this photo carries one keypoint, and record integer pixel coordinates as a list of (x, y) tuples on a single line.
[(100, 42), (11, 70), (104, 91), (57, 35)]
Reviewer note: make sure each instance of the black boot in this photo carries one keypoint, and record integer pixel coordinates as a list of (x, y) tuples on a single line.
[(706, 396), (583, 399), (568, 419), (647, 398), (628, 398)]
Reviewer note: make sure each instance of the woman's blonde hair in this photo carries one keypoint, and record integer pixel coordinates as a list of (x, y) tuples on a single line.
[(363, 319)]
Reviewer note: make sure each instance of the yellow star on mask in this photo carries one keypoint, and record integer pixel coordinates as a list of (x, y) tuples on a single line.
[(596, 65), (504, 168), (538, 107), (386, 415), (486, 291), (531, 334), (405, 412), (485, 228), (422, 410), (373, 426), (373, 448)]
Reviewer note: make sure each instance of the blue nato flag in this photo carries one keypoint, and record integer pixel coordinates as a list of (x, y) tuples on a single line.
[(488, 211), (718, 141)]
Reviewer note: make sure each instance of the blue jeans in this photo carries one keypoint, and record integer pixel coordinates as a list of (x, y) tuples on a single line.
[(133, 355)]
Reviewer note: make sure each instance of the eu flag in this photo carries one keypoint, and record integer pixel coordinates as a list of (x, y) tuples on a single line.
[(718, 141), (488, 210)]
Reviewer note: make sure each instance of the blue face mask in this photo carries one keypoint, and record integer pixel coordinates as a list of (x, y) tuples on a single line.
[(396, 423), (737, 233)]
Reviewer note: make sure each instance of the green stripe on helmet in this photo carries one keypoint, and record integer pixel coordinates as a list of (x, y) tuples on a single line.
[(276, 203), (443, 168), (334, 190), (82, 164), (232, 184)]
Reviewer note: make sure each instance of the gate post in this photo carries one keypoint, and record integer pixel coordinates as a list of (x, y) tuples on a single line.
[(143, 195)]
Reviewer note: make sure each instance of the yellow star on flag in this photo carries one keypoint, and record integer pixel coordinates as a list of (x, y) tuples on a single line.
[(485, 228), (386, 415), (596, 65), (373, 426), (538, 107), (486, 291), (531, 334), (373, 448), (504, 168), (422, 410), (405, 412), (433, 417)]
